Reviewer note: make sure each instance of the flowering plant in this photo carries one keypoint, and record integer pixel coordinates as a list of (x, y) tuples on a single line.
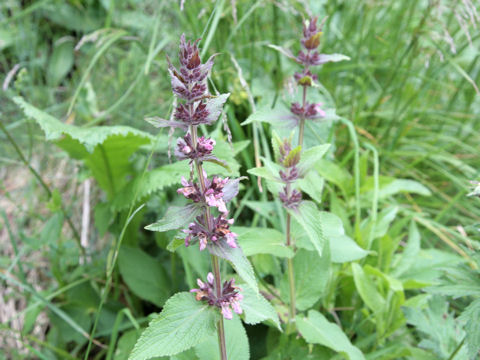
[(204, 220)]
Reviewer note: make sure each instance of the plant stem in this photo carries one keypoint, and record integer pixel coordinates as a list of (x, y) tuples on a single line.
[(302, 120), (215, 262), (291, 278)]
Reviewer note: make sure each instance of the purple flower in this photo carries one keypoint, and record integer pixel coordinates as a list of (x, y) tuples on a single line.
[(213, 195), (220, 229), (292, 200), (311, 34), (309, 111), (189, 83), (288, 157), (228, 300), (186, 150), (289, 175)]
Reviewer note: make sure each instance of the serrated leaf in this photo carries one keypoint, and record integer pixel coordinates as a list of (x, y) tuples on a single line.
[(214, 107), (257, 309), (278, 117), (471, 316), (144, 275), (262, 241), (236, 343), (316, 329), (312, 184), (311, 156), (308, 216), (183, 323), (105, 149), (265, 173), (144, 185), (311, 274), (237, 259), (176, 217)]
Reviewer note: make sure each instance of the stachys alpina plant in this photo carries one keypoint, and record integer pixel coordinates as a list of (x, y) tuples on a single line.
[(295, 163), (188, 318)]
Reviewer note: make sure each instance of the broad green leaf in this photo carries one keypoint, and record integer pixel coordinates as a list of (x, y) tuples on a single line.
[(271, 116), (310, 157), (256, 308), (437, 327), (312, 184), (262, 241), (316, 329), (143, 185), (237, 259), (105, 149), (367, 289), (175, 218), (308, 216), (471, 316), (385, 218), (410, 253), (183, 323), (144, 275), (343, 248), (335, 174), (236, 342), (265, 173), (403, 185), (61, 61), (311, 274)]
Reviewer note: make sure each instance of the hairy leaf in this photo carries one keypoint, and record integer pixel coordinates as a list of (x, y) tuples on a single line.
[(176, 217), (236, 342), (184, 322), (257, 308), (237, 259), (308, 216), (144, 275), (316, 329), (262, 241)]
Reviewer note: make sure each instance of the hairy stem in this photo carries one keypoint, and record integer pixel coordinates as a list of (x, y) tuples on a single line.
[(302, 120), (215, 262)]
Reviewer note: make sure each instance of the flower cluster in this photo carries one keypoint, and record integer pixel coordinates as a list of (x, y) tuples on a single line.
[(218, 229), (289, 159), (309, 56), (212, 195), (201, 151), (228, 300)]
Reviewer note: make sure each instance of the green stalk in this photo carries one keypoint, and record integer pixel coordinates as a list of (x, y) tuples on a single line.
[(215, 262)]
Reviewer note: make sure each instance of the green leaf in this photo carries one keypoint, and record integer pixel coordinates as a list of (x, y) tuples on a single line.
[(143, 185), (471, 316), (312, 184), (256, 308), (403, 185), (236, 342), (367, 290), (316, 329), (237, 259), (183, 323), (175, 218), (324, 58), (343, 248), (265, 173), (311, 157), (105, 149), (308, 216), (144, 275), (311, 274), (262, 241), (61, 61)]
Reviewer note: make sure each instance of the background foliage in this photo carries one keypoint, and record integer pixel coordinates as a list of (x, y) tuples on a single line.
[(79, 162)]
